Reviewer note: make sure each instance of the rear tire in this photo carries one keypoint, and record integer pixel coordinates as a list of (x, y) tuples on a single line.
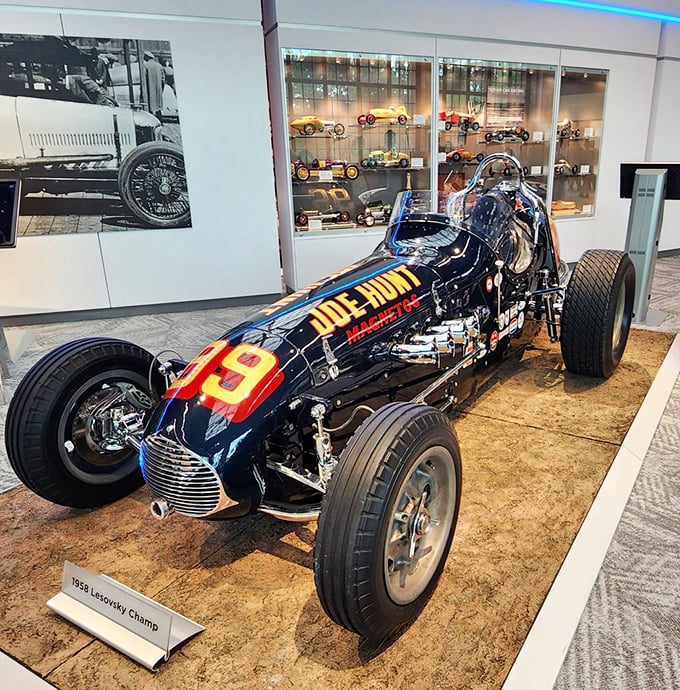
[(56, 445), (597, 312), (387, 520)]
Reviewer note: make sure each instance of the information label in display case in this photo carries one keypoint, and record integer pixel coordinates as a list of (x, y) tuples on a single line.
[(359, 131), (577, 149), (491, 107)]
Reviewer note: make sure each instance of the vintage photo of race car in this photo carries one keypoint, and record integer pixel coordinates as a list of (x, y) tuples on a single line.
[(309, 124), (329, 404), (63, 133)]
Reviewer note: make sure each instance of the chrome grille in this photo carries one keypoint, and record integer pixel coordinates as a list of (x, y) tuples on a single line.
[(185, 480)]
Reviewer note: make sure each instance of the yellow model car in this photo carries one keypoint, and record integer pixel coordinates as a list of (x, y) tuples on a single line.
[(392, 115), (309, 124), (386, 159)]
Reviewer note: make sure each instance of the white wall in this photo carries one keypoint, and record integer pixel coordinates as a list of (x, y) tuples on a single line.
[(231, 250)]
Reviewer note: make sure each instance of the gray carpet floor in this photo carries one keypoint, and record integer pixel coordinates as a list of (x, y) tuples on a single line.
[(629, 634)]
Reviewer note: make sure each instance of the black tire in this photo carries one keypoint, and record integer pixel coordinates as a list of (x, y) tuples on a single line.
[(361, 218), (370, 119), (524, 135), (577, 133), (152, 183), (447, 126), (344, 216), (456, 157), (475, 126), (404, 162), (574, 169), (301, 219), (488, 136), (338, 129), (500, 136), (559, 170), (365, 162), (479, 157), (401, 119), (369, 220), (54, 443), (564, 133), (308, 129), (401, 451), (597, 312)]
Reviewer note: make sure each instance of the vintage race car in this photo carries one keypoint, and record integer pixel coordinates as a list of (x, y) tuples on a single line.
[(567, 129), (58, 142), (458, 155), (386, 159), (330, 214), (338, 168), (563, 167), (393, 115), (374, 212), (308, 124), (517, 132), (328, 404), (464, 120)]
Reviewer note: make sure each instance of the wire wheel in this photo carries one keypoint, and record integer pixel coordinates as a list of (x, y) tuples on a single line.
[(153, 185)]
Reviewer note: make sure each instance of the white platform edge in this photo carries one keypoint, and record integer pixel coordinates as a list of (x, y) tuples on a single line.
[(541, 657)]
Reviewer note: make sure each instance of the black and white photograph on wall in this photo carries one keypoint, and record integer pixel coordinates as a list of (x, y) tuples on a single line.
[(91, 127)]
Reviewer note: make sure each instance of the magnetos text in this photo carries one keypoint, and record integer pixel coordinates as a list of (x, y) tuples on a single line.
[(391, 292), (115, 605)]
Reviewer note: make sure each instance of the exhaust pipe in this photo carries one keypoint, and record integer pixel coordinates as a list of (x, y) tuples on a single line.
[(160, 508)]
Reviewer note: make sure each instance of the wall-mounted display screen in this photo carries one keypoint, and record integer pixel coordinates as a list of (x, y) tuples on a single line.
[(9, 212)]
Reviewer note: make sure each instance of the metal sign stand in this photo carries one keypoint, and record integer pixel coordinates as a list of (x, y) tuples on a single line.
[(642, 238)]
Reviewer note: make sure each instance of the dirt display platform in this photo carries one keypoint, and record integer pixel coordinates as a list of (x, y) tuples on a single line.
[(536, 445)]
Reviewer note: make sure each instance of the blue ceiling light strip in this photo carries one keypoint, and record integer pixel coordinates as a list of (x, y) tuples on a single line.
[(615, 9)]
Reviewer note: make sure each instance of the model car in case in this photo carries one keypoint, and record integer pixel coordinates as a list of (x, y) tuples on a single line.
[(328, 404), (386, 159), (374, 212), (310, 124), (517, 132), (452, 118), (339, 168), (329, 215), (563, 167), (458, 155), (392, 115), (567, 130)]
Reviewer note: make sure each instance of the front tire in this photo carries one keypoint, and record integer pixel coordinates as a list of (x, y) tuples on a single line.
[(597, 312), (152, 183), (387, 520), (58, 431)]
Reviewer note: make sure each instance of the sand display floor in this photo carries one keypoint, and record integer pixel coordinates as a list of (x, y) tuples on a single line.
[(536, 445)]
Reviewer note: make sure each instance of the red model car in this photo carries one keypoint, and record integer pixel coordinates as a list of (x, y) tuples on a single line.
[(464, 120)]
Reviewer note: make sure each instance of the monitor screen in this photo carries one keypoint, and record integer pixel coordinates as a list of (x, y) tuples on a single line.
[(9, 212)]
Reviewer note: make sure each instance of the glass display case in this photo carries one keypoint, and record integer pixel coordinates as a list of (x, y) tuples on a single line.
[(359, 133), (577, 149), (488, 107)]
